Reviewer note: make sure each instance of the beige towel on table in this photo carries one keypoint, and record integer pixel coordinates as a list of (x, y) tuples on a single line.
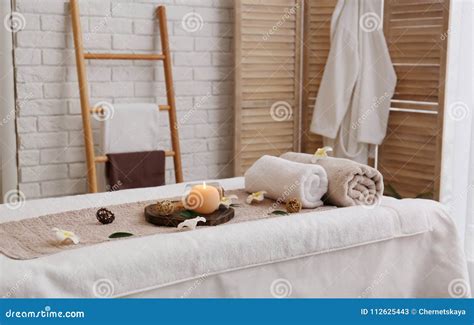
[(284, 180), (32, 237), (349, 183)]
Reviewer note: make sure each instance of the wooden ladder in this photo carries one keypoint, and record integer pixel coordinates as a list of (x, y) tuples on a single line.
[(86, 109)]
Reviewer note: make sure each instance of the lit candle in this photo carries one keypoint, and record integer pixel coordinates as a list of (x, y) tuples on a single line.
[(203, 199)]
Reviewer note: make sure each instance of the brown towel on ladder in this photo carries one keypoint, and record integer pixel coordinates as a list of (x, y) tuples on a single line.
[(135, 169)]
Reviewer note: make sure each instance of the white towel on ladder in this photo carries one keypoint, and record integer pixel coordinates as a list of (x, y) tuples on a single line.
[(131, 128)]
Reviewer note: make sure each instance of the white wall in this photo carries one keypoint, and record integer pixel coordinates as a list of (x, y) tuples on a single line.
[(51, 155), (457, 177), (8, 144), (470, 209)]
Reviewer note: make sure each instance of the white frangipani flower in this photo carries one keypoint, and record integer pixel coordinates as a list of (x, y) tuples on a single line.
[(191, 223), (256, 196), (65, 236), (228, 200), (321, 153)]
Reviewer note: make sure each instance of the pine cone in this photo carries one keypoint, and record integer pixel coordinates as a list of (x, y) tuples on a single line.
[(293, 206), (105, 216), (165, 208)]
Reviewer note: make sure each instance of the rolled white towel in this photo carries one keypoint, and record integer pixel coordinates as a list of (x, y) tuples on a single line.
[(284, 180), (350, 183)]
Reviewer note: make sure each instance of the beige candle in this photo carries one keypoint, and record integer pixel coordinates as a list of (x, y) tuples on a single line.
[(203, 199)]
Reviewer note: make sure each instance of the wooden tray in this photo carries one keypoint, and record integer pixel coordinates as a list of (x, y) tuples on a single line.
[(173, 220)]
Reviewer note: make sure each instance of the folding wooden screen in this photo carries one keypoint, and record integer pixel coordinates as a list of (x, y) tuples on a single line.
[(416, 33), (267, 101), (317, 25)]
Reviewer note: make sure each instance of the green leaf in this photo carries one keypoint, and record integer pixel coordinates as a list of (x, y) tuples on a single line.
[(391, 191), (279, 212), (188, 214), (120, 235)]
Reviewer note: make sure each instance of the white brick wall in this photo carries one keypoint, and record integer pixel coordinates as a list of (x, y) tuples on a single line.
[(51, 153)]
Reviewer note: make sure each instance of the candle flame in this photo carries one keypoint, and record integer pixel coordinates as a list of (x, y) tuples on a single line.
[(204, 185)]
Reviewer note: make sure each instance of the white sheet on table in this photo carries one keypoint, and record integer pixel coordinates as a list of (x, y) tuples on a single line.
[(395, 268), (418, 229)]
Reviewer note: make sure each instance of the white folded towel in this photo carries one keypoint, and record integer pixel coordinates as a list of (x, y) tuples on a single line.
[(284, 180), (131, 128)]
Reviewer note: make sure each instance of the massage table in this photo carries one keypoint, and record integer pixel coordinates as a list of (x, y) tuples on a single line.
[(399, 248)]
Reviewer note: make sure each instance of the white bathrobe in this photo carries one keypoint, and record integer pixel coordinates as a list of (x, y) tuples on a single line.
[(352, 106)]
